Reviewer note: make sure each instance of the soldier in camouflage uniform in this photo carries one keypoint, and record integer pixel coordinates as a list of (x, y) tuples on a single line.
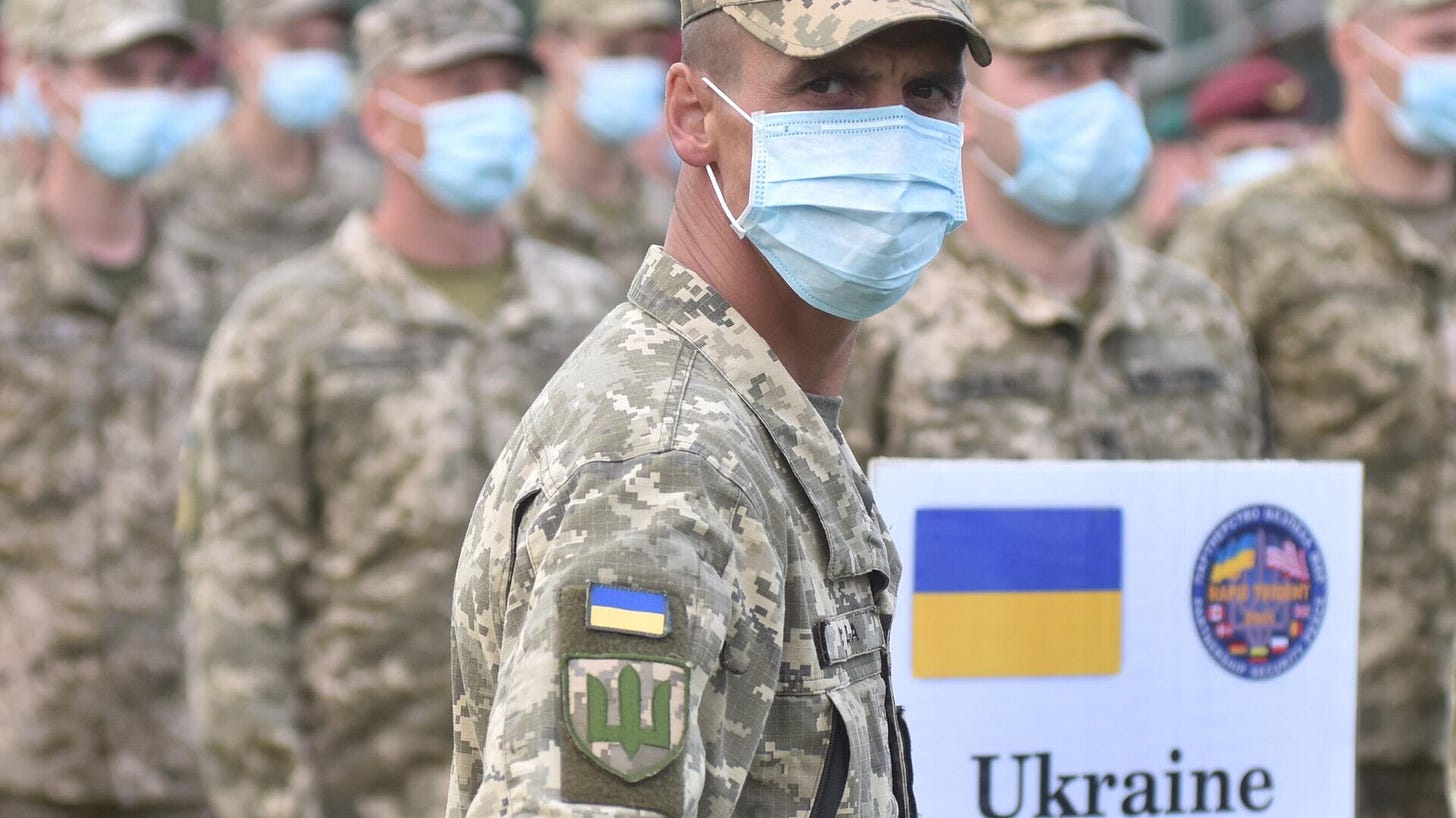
[(604, 63), (1029, 338), (1345, 268), (26, 29), (100, 338), (274, 180), (355, 399), (675, 594)]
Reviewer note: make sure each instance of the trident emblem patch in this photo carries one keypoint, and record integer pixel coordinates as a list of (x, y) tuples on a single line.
[(627, 714)]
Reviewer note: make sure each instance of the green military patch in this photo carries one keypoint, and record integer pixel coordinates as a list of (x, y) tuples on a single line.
[(627, 714)]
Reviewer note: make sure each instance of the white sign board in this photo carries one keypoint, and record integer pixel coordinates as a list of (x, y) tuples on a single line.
[(1111, 639)]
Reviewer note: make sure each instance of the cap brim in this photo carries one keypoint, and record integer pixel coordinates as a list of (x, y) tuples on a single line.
[(130, 30), (767, 21), (625, 17), (282, 13), (461, 48), (1059, 29)]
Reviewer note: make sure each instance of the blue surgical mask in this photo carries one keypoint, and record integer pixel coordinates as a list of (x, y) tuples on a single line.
[(850, 205), (479, 150), (124, 134), (1424, 119), (622, 98), (304, 91), (31, 117), (9, 119), (1083, 153), (1246, 167), (199, 113)]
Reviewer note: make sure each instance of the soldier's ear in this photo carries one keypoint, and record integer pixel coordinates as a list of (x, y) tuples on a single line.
[(1348, 52), (687, 117), (375, 123)]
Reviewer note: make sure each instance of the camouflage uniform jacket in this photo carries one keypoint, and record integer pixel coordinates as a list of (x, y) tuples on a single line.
[(980, 361), (94, 390), (615, 236), (673, 456), (345, 419), (228, 223), (1353, 316)]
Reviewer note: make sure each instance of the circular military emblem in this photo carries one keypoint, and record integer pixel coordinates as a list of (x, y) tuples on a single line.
[(1259, 592)]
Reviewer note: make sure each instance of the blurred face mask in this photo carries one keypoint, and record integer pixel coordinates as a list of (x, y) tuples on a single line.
[(479, 150), (304, 91), (124, 133), (30, 117), (199, 113), (1424, 119), (1083, 153), (622, 98), (9, 119), (1246, 167), (850, 205)]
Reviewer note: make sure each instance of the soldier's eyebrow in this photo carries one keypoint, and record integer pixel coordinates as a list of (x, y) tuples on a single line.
[(857, 72), (834, 65), (949, 77)]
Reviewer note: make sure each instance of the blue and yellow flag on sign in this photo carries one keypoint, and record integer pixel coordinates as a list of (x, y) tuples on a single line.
[(1235, 560), (1017, 592)]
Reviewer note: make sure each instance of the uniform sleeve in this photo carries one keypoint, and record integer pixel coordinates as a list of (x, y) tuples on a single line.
[(866, 387), (246, 529), (1231, 340), (1242, 245), (637, 621), (1209, 242)]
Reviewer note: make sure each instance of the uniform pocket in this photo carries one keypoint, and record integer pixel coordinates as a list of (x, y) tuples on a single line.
[(869, 786)]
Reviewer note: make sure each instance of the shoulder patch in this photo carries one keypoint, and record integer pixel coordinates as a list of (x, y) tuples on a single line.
[(621, 610), (627, 714)]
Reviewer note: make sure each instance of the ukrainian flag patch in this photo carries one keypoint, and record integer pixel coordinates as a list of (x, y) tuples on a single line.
[(622, 610)]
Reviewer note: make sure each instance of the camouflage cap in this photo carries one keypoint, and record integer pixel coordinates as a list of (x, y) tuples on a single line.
[(267, 13), (608, 15), (419, 36), (1342, 10), (86, 29), (27, 25), (806, 29), (1033, 26)]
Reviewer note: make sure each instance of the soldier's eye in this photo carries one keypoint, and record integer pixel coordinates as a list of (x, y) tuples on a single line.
[(930, 90), (827, 85)]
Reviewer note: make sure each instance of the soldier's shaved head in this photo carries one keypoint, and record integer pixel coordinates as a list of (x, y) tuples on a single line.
[(708, 47)]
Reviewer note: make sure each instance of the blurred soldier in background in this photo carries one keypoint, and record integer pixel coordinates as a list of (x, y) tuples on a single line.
[(1038, 333), (99, 342), (1345, 267), (24, 123), (347, 415), (1249, 122), (605, 67), (272, 181), (1249, 118)]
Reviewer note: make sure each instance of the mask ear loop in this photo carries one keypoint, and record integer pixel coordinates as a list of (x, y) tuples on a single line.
[(1388, 54), (410, 112), (997, 108), (735, 222)]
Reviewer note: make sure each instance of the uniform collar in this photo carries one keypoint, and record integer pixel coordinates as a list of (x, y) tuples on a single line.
[(1327, 164), (689, 306), (1032, 305), (416, 302), (65, 281)]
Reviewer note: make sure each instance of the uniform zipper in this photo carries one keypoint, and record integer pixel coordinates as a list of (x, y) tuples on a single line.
[(834, 777)]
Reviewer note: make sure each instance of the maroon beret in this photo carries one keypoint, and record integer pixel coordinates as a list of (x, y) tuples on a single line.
[(1256, 88)]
